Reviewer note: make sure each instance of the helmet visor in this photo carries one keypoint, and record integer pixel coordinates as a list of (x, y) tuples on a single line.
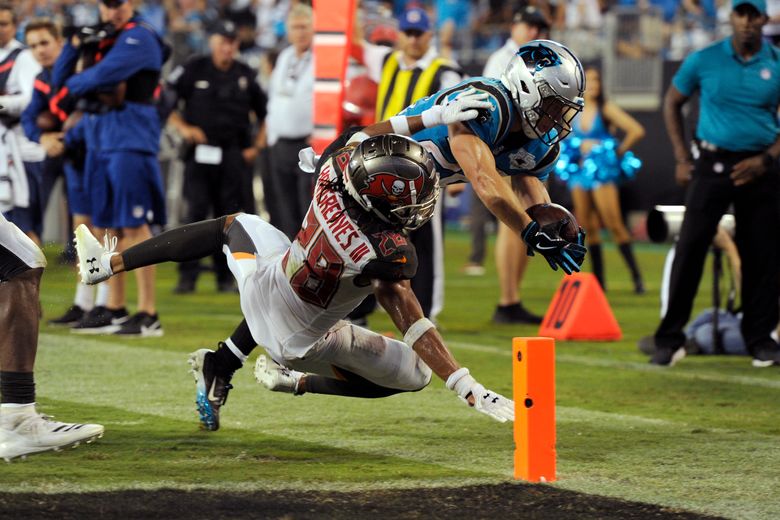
[(552, 118)]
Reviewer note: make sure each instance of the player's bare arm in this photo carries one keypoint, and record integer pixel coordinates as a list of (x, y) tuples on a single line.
[(421, 335), (404, 308), (479, 166)]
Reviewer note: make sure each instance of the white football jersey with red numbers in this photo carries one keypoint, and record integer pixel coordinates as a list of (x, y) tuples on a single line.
[(295, 300)]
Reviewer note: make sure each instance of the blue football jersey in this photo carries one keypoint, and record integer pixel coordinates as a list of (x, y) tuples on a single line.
[(515, 154)]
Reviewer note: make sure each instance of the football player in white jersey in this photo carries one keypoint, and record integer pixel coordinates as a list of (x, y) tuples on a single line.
[(371, 188), (22, 429)]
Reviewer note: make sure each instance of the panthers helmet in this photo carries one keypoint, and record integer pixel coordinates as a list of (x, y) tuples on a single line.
[(546, 81), (393, 177)]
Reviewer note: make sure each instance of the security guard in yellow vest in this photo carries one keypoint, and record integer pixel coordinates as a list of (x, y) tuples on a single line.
[(405, 75)]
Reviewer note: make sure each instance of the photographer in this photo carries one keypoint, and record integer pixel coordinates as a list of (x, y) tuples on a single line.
[(125, 185), (734, 162), (20, 185)]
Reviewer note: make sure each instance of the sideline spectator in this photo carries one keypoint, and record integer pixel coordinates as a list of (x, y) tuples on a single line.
[(216, 95), (20, 189), (289, 124), (126, 188), (414, 71), (593, 183), (511, 259), (734, 162)]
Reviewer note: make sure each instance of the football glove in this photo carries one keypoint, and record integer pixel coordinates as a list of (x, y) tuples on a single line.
[(486, 401), (546, 241), (463, 107)]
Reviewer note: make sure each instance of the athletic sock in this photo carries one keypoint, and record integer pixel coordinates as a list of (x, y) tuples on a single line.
[(597, 263), (85, 296), (232, 354), (17, 387), (101, 298), (628, 256)]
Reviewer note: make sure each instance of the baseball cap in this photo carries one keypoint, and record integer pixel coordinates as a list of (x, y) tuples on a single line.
[(760, 5), (414, 19), (113, 3), (532, 16), (225, 28)]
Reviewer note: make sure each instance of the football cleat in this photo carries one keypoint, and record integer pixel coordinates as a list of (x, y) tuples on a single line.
[(275, 377), (211, 388), (72, 316), (141, 325), (101, 320), (94, 258), (23, 434)]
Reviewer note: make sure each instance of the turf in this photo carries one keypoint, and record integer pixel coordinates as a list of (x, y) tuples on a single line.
[(702, 436)]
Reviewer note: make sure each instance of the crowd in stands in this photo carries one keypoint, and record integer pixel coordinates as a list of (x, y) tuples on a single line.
[(470, 29)]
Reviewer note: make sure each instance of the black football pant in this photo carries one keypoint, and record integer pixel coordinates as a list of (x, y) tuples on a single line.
[(292, 188), (757, 214), (214, 190)]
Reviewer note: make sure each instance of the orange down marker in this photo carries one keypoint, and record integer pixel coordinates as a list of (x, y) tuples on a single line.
[(533, 383)]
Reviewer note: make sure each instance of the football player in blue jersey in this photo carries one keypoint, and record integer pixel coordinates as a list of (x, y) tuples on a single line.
[(531, 110)]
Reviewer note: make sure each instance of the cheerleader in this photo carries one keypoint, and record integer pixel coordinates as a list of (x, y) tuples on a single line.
[(593, 162)]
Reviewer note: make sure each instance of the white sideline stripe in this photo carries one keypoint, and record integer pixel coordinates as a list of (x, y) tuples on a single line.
[(640, 367)]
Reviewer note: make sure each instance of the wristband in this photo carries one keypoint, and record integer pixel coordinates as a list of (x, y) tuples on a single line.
[(400, 125), (461, 382), (358, 137), (417, 329)]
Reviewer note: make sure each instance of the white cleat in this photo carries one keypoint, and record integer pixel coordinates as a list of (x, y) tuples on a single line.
[(94, 257), (24, 434), (275, 377)]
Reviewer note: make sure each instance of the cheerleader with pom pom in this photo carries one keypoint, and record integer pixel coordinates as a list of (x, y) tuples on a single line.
[(593, 162)]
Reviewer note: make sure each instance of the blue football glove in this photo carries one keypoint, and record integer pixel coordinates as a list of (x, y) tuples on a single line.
[(546, 241)]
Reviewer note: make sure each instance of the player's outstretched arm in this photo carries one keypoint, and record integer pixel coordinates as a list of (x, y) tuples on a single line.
[(421, 335), (463, 107), (479, 166)]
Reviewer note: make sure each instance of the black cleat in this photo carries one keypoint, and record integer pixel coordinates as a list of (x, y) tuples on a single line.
[(667, 357), (101, 320), (71, 317), (515, 313), (141, 324)]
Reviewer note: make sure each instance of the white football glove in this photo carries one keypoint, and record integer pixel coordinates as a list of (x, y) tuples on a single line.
[(486, 401), (463, 107)]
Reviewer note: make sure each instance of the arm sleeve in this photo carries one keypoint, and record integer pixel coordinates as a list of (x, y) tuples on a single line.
[(686, 80), (37, 105), (23, 74), (136, 49)]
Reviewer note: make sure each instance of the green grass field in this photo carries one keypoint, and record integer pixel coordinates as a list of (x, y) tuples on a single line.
[(702, 436)]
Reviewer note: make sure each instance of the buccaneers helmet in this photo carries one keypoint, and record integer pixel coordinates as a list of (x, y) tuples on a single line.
[(393, 177), (546, 81)]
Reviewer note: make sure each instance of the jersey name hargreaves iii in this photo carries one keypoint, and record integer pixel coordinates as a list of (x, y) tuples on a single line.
[(332, 260)]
